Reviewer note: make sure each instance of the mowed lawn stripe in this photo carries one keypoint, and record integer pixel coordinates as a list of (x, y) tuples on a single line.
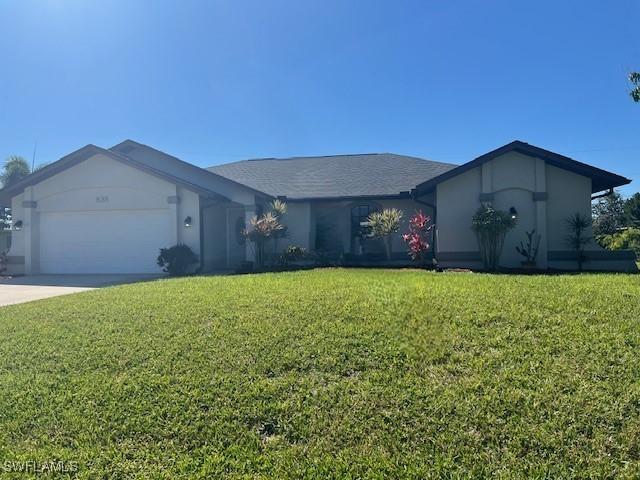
[(329, 373)]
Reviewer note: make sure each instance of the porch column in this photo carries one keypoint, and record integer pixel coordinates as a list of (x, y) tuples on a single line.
[(31, 235)]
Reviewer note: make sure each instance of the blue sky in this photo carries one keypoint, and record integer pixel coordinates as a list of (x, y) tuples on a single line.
[(215, 81)]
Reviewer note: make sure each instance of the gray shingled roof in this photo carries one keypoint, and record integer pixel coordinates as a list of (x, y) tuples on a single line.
[(153, 158), (367, 174)]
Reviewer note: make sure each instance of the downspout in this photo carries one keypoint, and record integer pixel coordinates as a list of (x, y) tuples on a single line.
[(603, 194), (414, 195)]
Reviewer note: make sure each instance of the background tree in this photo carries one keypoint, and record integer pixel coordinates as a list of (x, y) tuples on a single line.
[(632, 211), (634, 78), (608, 215), (15, 169), (5, 218)]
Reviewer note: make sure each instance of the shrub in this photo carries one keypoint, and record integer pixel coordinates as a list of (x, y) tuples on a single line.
[(418, 236), (530, 250), (491, 227), (383, 225), (176, 260), (265, 227), (628, 239), (293, 253), (326, 258), (3, 262), (577, 238)]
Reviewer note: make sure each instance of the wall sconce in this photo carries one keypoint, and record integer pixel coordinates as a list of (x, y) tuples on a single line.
[(187, 222), (513, 212), (18, 225)]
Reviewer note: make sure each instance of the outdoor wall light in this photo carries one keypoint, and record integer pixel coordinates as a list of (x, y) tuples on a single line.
[(513, 212), (187, 222), (18, 225)]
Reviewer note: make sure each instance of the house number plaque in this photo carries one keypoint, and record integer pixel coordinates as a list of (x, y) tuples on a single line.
[(102, 198)]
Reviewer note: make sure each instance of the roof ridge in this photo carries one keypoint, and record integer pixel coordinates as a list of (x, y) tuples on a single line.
[(314, 156), (183, 162), (282, 159)]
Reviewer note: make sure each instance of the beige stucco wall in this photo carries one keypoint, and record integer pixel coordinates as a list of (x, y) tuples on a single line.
[(568, 193), (507, 181), (298, 221), (457, 200), (237, 250), (543, 195), (214, 223), (189, 206), (101, 184)]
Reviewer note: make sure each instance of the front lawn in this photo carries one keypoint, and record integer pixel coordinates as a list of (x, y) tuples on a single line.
[(329, 374)]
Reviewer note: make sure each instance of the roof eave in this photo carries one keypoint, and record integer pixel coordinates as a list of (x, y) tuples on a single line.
[(338, 198), (209, 172), (86, 152), (600, 178)]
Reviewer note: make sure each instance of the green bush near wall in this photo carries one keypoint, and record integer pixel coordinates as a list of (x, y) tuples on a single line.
[(628, 239)]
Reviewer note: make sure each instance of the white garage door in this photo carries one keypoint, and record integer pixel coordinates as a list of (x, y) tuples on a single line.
[(103, 242)]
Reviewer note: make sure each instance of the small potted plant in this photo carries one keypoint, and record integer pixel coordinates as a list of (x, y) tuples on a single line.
[(529, 250)]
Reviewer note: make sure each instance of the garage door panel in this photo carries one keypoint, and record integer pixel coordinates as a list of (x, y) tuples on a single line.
[(103, 242)]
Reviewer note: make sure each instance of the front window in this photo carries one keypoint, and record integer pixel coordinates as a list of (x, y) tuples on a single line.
[(361, 242), (359, 215)]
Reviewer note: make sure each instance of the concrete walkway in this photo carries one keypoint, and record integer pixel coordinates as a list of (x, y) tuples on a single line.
[(35, 287)]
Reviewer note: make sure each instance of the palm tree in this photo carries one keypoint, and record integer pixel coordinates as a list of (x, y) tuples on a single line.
[(634, 78), (383, 225), (15, 169)]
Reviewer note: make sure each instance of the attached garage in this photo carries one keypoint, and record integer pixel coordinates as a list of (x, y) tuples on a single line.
[(99, 211), (103, 241)]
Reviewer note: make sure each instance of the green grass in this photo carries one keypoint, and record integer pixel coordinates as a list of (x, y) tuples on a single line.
[(329, 374)]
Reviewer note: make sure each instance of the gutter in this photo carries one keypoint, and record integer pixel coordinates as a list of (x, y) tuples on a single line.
[(603, 194), (397, 196)]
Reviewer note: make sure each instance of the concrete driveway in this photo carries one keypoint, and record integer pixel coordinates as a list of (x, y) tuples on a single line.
[(35, 287)]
